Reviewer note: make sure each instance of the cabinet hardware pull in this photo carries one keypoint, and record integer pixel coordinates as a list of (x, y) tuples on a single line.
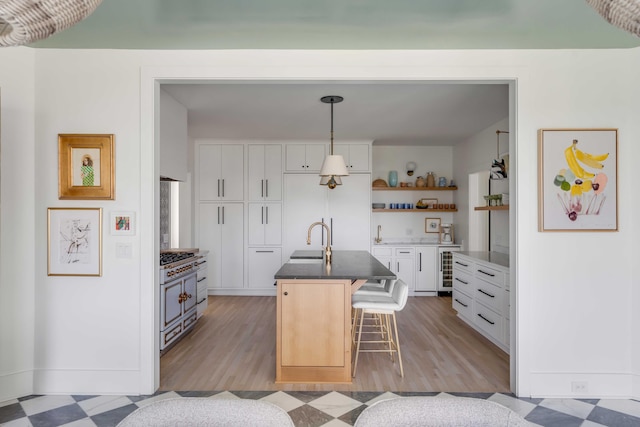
[(420, 255), (462, 281), (262, 188), (264, 252), (223, 211), (464, 265), (222, 187), (262, 221), (267, 209), (461, 303), (398, 266), (486, 293), (286, 293), (485, 319), (404, 252), (441, 255), (266, 188), (484, 272), (218, 215), (218, 187), (204, 278)]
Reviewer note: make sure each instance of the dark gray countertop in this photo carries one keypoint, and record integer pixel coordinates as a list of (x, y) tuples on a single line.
[(492, 257), (345, 265)]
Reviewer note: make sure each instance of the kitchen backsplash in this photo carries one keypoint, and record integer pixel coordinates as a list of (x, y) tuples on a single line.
[(165, 215)]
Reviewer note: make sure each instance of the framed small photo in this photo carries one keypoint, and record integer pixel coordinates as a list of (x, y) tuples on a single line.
[(86, 167), (74, 242), (432, 225), (578, 180), (122, 223)]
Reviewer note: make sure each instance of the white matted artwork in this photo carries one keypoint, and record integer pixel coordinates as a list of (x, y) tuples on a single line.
[(578, 180), (122, 223), (74, 242), (432, 225)]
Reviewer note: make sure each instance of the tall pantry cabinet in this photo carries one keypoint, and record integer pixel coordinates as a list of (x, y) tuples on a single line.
[(220, 211)]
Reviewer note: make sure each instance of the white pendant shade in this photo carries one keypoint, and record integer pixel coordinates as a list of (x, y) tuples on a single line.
[(334, 165)]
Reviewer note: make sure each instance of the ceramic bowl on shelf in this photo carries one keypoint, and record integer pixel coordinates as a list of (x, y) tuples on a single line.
[(378, 205)]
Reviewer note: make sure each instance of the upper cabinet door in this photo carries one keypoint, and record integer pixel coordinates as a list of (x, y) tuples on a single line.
[(304, 157), (356, 156), (265, 172), (220, 172)]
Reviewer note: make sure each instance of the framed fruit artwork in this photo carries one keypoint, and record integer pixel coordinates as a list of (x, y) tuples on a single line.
[(578, 179)]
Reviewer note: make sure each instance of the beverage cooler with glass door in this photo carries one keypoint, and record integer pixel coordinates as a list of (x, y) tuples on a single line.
[(445, 269)]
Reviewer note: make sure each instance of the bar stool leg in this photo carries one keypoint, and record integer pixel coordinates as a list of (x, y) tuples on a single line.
[(355, 364), (395, 327)]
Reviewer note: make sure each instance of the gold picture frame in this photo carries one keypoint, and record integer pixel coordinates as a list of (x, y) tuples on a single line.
[(86, 167), (578, 179), (74, 241)]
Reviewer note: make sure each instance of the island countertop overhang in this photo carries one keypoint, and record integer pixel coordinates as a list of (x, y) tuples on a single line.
[(354, 265)]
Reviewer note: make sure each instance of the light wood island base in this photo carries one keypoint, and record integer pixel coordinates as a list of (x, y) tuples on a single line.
[(313, 331)]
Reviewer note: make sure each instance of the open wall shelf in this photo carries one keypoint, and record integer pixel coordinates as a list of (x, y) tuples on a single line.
[(492, 208), (414, 188)]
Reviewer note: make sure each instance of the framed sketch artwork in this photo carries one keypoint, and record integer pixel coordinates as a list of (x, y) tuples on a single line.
[(578, 180), (74, 242), (86, 166)]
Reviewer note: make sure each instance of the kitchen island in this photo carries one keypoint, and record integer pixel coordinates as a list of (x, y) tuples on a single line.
[(313, 326)]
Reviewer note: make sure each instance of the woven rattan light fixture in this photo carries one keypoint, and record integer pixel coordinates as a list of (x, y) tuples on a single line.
[(623, 14), (23, 22)]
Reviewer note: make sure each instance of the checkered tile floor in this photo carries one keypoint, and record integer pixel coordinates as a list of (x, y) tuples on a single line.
[(329, 409)]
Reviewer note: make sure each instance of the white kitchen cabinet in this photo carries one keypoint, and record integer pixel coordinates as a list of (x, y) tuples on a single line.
[(173, 138), (356, 156), (426, 271), (220, 231), (263, 265), (265, 172), (265, 224), (400, 260), (220, 172), (304, 157), (479, 296), (345, 209)]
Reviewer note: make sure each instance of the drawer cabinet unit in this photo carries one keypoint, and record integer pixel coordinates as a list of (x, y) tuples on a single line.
[(426, 274), (304, 157), (201, 276), (263, 265), (480, 296)]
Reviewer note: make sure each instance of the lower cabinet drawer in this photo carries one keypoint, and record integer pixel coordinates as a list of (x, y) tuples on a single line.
[(490, 274), (489, 295), (189, 319), (170, 334), (463, 282), (462, 304), (488, 321), (463, 264)]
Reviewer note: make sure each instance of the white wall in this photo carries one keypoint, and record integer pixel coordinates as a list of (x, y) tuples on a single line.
[(438, 160), (577, 313), (475, 155), (17, 217)]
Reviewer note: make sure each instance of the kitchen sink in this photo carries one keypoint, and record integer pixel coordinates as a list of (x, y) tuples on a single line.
[(306, 261)]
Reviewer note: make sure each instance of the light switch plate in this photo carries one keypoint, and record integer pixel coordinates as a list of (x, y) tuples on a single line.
[(124, 250)]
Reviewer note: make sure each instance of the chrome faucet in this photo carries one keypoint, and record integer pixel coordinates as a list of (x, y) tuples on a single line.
[(327, 250), (379, 239)]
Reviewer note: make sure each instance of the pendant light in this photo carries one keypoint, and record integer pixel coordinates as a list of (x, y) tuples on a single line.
[(333, 167), (23, 22)]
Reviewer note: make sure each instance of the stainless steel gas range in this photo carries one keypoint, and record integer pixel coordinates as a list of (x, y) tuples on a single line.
[(178, 290)]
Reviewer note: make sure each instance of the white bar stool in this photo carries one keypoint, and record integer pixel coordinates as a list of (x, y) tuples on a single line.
[(384, 307)]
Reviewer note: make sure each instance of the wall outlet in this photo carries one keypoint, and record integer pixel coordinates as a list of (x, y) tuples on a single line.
[(580, 386)]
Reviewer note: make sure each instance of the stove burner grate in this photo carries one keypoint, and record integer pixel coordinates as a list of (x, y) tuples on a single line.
[(171, 257)]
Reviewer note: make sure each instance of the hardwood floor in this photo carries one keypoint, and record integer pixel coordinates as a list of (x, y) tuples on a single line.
[(232, 347)]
